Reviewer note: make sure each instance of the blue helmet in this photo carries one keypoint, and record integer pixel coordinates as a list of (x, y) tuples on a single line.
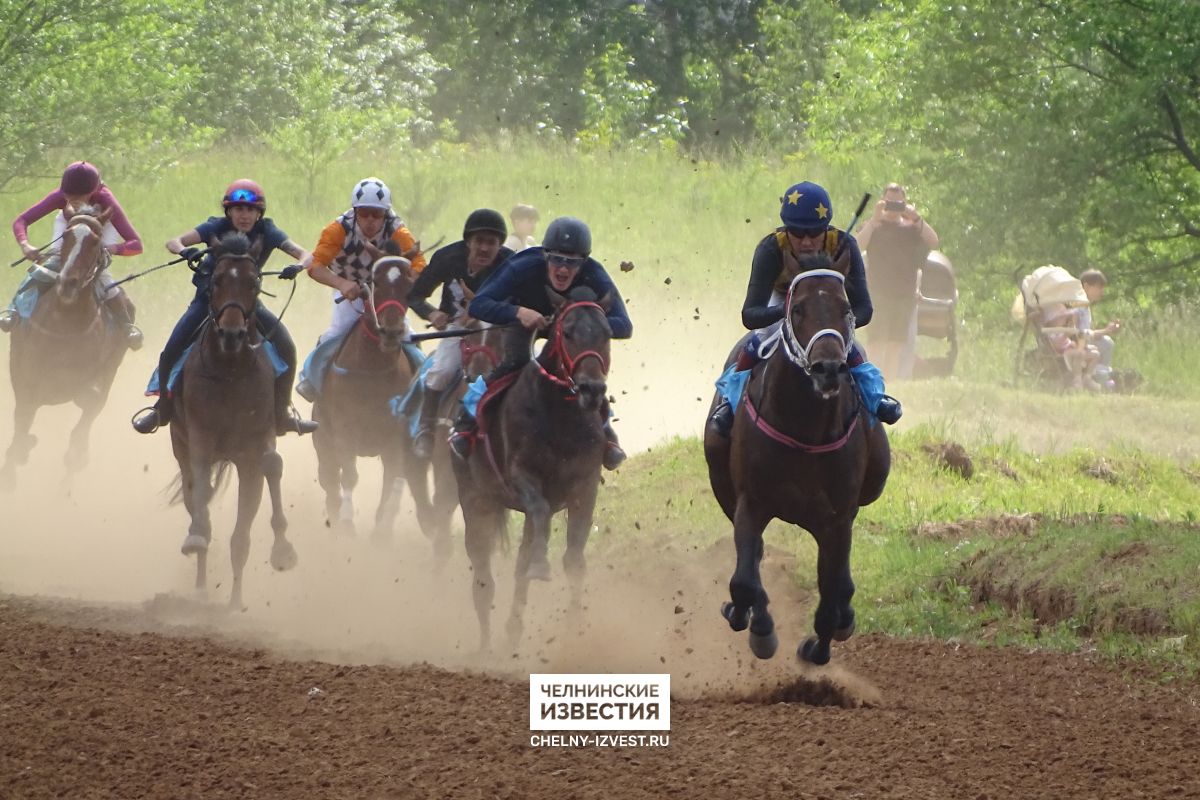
[(568, 235), (806, 207)]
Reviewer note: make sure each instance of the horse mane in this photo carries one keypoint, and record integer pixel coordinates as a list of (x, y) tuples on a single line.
[(582, 294), (817, 260), (234, 243), (88, 210)]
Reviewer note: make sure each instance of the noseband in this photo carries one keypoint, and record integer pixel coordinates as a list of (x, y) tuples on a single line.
[(802, 356), (565, 375)]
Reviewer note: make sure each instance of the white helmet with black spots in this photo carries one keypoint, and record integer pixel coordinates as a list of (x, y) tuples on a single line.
[(371, 193)]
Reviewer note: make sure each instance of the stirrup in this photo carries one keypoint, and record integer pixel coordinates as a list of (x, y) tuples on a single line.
[(146, 420), (292, 422), (614, 456), (722, 419), (889, 410), (423, 443), (8, 320), (462, 443), (134, 338)]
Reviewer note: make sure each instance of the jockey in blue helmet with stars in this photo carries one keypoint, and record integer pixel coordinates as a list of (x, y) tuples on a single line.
[(807, 213)]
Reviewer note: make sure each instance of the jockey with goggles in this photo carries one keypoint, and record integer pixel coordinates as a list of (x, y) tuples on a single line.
[(460, 270), (244, 204), (80, 186), (806, 212), (517, 293)]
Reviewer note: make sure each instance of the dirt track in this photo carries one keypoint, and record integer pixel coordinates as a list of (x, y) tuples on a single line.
[(89, 708)]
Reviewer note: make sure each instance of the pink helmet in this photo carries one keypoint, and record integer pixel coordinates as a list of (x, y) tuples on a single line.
[(244, 192), (80, 178)]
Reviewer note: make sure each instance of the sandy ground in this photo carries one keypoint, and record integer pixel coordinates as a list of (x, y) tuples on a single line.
[(119, 681)]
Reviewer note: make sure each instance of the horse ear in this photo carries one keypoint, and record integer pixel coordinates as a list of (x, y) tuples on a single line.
[(842, 262), (256, 249), (556, 299), (214, 246), (606, 302), (105, 216), (68, 211)]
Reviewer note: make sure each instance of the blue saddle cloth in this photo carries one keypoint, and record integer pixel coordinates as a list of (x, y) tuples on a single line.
[(317, 365), (867, 379), (408, 405), (152, 387)]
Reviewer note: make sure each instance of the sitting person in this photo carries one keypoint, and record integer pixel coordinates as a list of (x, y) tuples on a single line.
[(244, 203), (1100, 340), (1060, 326), (524, 219), (459, 269), (517, 293), (80, 186), (806, 213)]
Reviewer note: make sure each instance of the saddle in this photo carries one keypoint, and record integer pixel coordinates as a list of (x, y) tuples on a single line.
[(176, 374)]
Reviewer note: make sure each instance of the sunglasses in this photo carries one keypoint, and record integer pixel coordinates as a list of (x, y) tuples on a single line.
[(247, 196), (367, 212), (806, 234), (559, 260)]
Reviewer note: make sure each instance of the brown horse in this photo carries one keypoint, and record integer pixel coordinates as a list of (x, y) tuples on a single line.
[(481, 353), (540, 448), (804, 450), (65, 352), (370, 369), (224, 414)]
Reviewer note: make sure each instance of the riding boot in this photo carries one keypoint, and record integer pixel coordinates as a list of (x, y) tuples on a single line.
[(427, 422), (148, 420), (722, 418), (123, 312), (614, 456), (889, 410), (287, 419), (462, 436)]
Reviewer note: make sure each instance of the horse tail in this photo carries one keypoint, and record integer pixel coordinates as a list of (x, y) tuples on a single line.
[(219, 477)]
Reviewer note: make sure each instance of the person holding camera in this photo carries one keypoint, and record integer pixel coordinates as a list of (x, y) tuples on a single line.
[(896, 241)]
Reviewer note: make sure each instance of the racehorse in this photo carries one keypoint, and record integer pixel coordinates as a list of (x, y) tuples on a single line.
[(225, 415), (539, 450), (481, 351), (803, 449), (65, 352), (369, 369)]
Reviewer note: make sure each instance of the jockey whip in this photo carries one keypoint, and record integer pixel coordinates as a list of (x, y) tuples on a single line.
[(866, 198), (420, 337), (136, 275), (288, 273), (43, 247)]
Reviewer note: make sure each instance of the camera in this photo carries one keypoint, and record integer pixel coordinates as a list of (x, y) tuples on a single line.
[(894, 205)]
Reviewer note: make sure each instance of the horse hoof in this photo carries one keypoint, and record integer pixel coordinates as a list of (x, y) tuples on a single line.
[(812, 652), (194, 544), (538, 570), (513, 629), (738, 620), (283, 556), (381, 537), (764, 646), (842, 634)]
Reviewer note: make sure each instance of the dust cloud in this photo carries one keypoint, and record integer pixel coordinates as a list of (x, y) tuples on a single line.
[(110, 537)]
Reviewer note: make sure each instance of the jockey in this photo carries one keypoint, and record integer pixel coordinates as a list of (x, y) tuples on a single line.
[(517, 293), (80, 186), (460, 269), (244, 203), (806, 213)]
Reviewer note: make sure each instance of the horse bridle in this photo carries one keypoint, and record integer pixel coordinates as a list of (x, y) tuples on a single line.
[(373, 328), (468, 349), (247, 313), (802, 356), (93, 225), (567, 364)]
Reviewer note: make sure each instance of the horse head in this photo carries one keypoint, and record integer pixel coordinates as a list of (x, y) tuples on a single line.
[(234, 289), (578, 353), (480, 349), (81, 251), (392, 278), (818, 330)]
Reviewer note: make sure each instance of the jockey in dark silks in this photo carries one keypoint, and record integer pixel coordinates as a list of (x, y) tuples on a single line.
[(244, 204), (516, 293), (806, 213)]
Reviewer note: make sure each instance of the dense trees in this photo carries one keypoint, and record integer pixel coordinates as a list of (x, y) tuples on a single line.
[(1033, 129)]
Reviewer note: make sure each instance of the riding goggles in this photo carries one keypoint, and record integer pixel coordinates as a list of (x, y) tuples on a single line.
[(246, 196), (560, 260)]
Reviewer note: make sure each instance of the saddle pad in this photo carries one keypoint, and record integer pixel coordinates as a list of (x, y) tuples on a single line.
[(152, 388)]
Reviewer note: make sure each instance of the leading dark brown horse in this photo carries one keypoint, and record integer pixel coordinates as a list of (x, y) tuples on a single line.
[(804, 450), (540, 448), (65, 352), (224, 414), (370, 368)]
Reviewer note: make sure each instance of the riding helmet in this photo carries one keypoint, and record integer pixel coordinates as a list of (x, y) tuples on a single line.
[(568, 235), (244, 192), (806, 207), (371, 193), (80, 177), (485, 219)]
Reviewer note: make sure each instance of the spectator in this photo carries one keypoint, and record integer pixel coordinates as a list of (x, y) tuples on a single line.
[(524, 219)]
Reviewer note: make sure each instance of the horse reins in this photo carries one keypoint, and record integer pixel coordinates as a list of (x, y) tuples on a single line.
[(567, 363)]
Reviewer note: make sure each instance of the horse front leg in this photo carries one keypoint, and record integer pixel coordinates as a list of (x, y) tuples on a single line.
[(389, 499), (90, 406), (434, 525), (250, 487), (22, 442), (580, 512), (834, 617), (200, 528), (329, 471), (748, 598), (283, 555), (482, 530)]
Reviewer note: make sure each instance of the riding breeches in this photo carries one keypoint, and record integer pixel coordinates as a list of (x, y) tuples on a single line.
[(345, 314), (446, 364)]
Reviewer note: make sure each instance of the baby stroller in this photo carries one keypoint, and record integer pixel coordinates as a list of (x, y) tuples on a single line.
[(935, 315), (1046, 290)]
